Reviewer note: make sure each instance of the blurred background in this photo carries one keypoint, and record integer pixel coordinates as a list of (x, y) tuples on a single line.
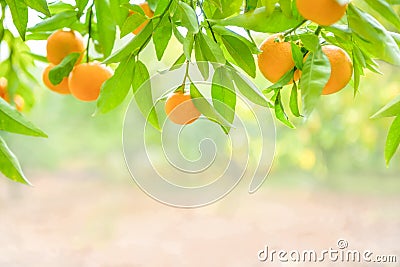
[(328, 181)]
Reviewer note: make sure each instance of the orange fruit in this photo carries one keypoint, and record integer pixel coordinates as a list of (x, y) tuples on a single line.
[(341, 69), (19, 102), (62, 43), (3, 87), (61, 88), (180, 109), (322, 12), (147, 11), (275, 58), (86, 79)]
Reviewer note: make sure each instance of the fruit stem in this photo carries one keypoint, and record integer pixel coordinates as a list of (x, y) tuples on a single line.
[(318, 31), (89, 31), (182, 88), (295, 28)]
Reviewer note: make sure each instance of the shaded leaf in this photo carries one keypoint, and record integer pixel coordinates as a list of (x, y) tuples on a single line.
[(9, 164), (13, 121), (106, 26), (241, 53), (390, 110), (132, 22), (315, 75), (58, 21), (19, 13), (294, 102), (133, 46), (141, 86), (249, 90), (115, 89), (161, 36), (206, 108), (393, 140), (223, 94), (39, 5), (280, 112), (62, 70)]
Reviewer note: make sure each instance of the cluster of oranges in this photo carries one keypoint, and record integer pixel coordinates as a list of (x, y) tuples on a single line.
[(85, 80), (19, 102), (276, 57)]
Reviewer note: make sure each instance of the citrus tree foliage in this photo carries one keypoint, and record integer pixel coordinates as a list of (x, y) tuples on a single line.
[(208, 30)]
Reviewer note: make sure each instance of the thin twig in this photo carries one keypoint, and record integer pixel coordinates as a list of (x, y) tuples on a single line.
[(208, 23)]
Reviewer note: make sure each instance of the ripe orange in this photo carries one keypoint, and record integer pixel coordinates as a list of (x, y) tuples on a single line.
[(148, 12), (322, 12), (180, 109), (341, 69), (86, 79), (62, 43), (18, 100), (61, 88), (275, 59)]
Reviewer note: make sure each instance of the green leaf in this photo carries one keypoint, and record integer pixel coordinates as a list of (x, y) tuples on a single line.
[(115, 89), (177, 34), (241, 53), (188, 45), (223, 94), (133, 46), (369, 34), (206, 108), (162, 6), (249, 90), (12, 121), (294, 102), (250, 5), (187, 17), (261, 20), (132, 22), (390, 110), (297, 55), (283, 81), (9, 164), (161, 36), (201, 60), (58, 21), (39, 5), (142, 92), (19, 13), (222, 31), (58, 7), (393, 140), (81, 5), (310, 41), (210, 50), (280, 112), (286, 6), (119, 13), (315, 75), (106, 26), (178, 63), (62, 70), (385, 10), (358, 65), (134, 8)]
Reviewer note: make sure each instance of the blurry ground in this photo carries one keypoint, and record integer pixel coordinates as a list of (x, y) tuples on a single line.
[(77, 219)]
